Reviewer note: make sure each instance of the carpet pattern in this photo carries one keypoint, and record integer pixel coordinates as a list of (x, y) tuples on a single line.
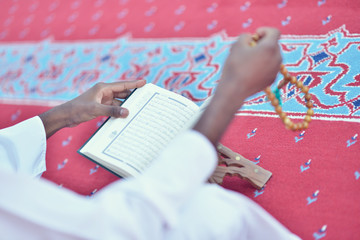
[(51, 51)]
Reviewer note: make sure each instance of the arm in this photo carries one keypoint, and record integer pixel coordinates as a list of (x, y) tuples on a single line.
[(247, 70), (100, 100), (17, 155)]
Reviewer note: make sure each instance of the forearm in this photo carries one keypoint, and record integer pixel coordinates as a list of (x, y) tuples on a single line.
[(100, 100), (55, 119), (218, 115)]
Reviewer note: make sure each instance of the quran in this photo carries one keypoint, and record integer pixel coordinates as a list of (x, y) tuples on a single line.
[(127, 146)]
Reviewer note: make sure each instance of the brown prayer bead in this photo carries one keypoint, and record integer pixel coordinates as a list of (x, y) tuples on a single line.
[(289, 126), (293, 127), (307, 119), (299, 84), (275, 102), (305, 89), (288, 77), (287, 121), (271, 97), (309, 105), (278, 109), (268, 90), (282, 115), (282, 66), (293, 80)]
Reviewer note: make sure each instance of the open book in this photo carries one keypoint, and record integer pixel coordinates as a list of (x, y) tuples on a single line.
[(127, 146)]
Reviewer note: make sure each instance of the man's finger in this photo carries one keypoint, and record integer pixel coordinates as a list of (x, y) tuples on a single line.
[(243, 40), (125, 86), (116, 102), (112, 111), (123, 94), (267, 34)]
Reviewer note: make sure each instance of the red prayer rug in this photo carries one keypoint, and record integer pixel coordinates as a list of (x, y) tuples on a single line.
[(51, 51)]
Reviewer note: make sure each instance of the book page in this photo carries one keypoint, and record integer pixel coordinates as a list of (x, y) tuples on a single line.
[(155, 117), (196, 116)]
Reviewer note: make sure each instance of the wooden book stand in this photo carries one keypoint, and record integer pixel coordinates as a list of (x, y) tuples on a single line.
[(237, 165)]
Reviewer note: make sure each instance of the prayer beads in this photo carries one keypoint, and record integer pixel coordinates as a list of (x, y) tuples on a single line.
[(276, 103)]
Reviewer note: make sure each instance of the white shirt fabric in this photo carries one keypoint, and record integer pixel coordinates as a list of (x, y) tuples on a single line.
[(169, 201)]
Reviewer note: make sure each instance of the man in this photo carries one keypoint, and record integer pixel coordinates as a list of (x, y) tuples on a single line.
[(170, 200)]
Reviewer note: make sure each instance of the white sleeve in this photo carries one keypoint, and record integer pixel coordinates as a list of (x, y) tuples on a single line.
[(168, 201), (23, 147), (178, 173), (141, 208)]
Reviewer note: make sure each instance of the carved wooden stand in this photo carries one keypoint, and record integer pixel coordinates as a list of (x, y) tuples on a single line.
[(237, 165)]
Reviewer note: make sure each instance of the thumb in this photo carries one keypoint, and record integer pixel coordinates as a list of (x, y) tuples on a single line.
[(112, 111)]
